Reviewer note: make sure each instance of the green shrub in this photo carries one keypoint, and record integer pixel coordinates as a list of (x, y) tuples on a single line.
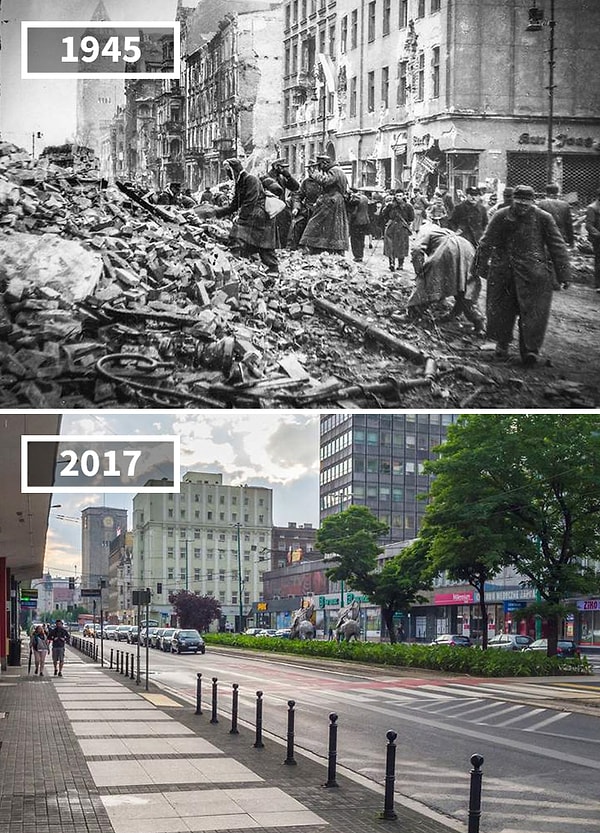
[(470, 661)]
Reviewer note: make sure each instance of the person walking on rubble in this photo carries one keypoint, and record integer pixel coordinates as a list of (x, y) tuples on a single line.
[(443, 262), (358, 220), (303, 204), (396, 216), (592, 226), (253, 231), (420, 204), (561, 211), (280, 182), (470, 217), (514, 255), (327, 229)]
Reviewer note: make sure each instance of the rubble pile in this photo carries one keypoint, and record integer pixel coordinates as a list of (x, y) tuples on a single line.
[(106, 304)]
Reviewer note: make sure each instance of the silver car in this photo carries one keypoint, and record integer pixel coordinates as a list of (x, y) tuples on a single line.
[(509, 642)]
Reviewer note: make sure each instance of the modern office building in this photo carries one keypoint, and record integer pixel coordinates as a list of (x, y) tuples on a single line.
[(211, 538), (376, 460), (99, 525)]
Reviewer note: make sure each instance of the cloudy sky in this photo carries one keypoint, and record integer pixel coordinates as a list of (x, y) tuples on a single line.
[(277, 450), (28, 106)]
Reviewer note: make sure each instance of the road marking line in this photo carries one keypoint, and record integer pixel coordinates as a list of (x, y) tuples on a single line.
[(516, 719), (552, 719)]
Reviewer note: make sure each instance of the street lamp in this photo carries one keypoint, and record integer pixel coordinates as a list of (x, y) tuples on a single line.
[(239, 562), (536, 23)]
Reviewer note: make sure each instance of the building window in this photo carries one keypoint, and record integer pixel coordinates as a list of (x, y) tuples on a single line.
[(170, 552), (170, 573), (371, 91), (387, 14), (170, 531), (401, 91), (294, 12), (371, 23), (421, 8), (196, 575), (354, 29), (421, 78), (385, 86), (287, 16), (294, 58), (197, 552), (403, 21), (353, 96), (332, 41), (435, 71), (344, 34), (435, 5), (209, 516)]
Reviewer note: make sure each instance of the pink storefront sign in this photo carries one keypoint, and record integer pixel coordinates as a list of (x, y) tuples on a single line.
[(453, 598)]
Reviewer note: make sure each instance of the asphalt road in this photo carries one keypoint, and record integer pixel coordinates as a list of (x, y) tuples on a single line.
[(541, 768)]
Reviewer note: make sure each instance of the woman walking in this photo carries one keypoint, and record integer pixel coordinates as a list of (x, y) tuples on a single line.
[(40, 648)]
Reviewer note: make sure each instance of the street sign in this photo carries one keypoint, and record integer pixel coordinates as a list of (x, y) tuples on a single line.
[(29, 595), (140, 597), (91, 592), (29, 604)]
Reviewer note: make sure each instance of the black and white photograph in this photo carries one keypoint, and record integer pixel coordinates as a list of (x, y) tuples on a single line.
[(334, 621), (291, 204)]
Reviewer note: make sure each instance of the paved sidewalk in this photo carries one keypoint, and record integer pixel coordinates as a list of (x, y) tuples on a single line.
[(91, 751)]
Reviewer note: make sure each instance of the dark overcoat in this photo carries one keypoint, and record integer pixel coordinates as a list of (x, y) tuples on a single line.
[(252, 224), (327, 229)]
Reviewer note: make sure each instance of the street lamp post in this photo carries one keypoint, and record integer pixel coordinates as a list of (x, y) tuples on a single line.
[(239, 561), (536, 23)]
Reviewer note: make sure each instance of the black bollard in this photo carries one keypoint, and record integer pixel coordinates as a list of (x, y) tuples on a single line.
[(332, 753), (132, 665), (127, 663), (214, 718), (234, 709), (290, 761), (475, 794), (111, 658), (199, 694), (390, 777), (122, 661), (258, 744)]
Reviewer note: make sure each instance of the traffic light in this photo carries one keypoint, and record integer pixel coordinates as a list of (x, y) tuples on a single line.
[(72, 583), (159, 587)]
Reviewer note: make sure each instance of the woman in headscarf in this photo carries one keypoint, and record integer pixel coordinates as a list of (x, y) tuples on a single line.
[(253, 231), (327, 229)]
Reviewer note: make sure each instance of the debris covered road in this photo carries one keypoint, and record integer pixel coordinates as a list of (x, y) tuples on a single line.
[(106, 305)]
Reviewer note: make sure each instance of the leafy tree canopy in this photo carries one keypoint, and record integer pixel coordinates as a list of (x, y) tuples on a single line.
[(519, 489), (193, 610)]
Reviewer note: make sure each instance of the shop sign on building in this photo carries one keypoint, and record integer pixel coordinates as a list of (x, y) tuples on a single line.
[(333, 599), (454, 598), (512, 604), (588, 604)]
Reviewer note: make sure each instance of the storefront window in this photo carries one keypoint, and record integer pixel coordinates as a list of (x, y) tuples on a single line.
[(463, 171)]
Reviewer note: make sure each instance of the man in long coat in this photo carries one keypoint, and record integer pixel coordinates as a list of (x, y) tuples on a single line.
[(397, 217), (592, 226), (327, 229), (253, 231), (443, 262), (561, 211), (515, 254), (469, 217), (358, 221)]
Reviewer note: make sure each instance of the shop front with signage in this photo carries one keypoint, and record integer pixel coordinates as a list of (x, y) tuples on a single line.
[(588, 623)]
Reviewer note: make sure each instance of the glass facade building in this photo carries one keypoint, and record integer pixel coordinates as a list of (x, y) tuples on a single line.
[(376, 460)]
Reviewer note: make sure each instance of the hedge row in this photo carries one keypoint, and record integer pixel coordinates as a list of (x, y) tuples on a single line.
[(438, 658)]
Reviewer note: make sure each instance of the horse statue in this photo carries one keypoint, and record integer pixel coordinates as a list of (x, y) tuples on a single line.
[(347, 626), (301, 626)]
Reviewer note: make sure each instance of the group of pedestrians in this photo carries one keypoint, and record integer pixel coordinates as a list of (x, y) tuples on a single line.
[(43, 640)]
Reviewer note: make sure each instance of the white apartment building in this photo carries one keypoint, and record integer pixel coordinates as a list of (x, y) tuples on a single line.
[(211, 538)]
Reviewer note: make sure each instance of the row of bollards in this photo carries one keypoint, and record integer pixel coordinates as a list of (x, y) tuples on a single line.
[(86, 647), (474, 815)]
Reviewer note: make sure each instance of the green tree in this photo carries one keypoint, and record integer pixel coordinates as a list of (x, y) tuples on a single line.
[(350, 537), (193, 610), (520, 489)]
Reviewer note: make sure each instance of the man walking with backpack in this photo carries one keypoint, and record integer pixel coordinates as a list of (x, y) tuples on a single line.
[(58, 637)]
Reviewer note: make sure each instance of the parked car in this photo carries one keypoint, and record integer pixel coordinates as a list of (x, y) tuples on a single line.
[(165, 639), (266, 632), (283, 633), (452, 639), (109, 631), (564, 648), (155, 637), (121, 633), (252, 631), (187, 639), (146, 636), (133, 635), (509, 642)]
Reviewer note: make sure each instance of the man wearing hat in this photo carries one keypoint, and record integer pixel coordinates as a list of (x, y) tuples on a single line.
[(592, 226), (514, 255), (279, 174), (303, 204), (561, 211), (327, 229), (507, 201), (253, 231), (470, 217)]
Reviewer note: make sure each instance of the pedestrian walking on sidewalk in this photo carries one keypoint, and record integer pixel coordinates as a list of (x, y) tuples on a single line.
[(40, 648), (514, 255), (58, 636), (397, 217)]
